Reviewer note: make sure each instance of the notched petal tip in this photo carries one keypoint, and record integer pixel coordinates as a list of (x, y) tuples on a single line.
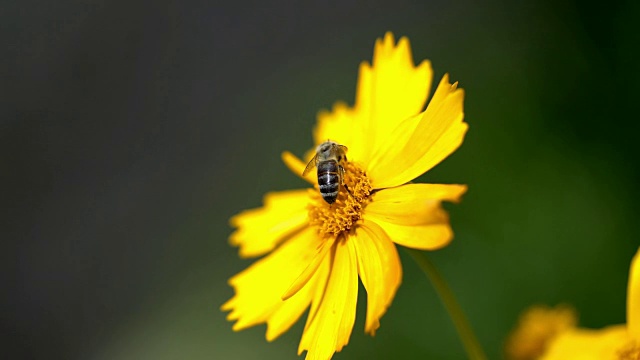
[(388, 43), (387, 48), (270, 336), (456, 195), (426, 67), (258, 288), (364, 67), (403, 42), (338, 106), (237, 326), (235, 221), (453, 87), (384, 42), (228, 305), (259, 230)]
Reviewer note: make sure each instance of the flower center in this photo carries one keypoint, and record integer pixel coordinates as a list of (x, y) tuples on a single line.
[(333, 219), (630, 352)]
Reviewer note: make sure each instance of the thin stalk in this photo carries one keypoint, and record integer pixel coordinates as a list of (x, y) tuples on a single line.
[(467, 336)]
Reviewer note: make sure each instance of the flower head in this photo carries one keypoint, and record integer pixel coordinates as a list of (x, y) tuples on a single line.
[(616, 342), (316, 250), (536, 327)]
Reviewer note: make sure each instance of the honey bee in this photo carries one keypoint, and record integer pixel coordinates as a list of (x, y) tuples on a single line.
[(328, 159)]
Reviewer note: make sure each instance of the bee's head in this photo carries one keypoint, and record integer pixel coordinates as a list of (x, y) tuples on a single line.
[(326, 148)]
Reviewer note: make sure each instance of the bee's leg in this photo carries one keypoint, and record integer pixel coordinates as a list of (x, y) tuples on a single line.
[(347, 188), (341, 170)]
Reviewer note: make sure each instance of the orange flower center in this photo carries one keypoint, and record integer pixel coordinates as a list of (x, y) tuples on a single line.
[(630, 352), (353, 196)]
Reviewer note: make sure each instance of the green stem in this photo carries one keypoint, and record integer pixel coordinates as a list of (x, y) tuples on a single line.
[(469, 339)]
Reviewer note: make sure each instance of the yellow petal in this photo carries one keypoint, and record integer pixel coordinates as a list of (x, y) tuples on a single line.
[(333, 311), (310, 270), (422, 237), (414, 204), (380, 270), (297, 167), (342, 126), (258, 288), (582, 344), (419, 143), (261, 229), (537, 327), (412, 216), (389, 91), (281, 320), (633, 298)]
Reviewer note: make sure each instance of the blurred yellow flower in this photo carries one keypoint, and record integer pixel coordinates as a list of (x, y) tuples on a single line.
[(617, 342), (536, 327), (317, 250)]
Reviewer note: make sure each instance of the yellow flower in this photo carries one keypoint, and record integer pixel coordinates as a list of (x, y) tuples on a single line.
[(536, 327), (616, 342), (316, 250)]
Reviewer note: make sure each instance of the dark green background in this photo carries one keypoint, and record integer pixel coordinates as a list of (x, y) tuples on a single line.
[(131, 132)]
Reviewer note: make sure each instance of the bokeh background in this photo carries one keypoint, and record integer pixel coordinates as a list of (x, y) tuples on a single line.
[(131, 131)]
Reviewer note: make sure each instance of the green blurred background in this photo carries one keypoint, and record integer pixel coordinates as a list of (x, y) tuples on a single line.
[(131, 132)]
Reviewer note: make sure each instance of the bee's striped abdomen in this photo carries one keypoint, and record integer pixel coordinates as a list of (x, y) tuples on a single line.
[(328, 180)]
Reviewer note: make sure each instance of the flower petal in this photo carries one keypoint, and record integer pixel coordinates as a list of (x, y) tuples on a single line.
[(282, 319), (310, 270), (430, 236), (419, 143), (297, 167), (422, 237), (389, 91), (633, 298), (380, 270), (333, 309), (412, 215), (536, 328), (262, 229), (259, 287), (583, 344), (414, 204), (341, 125)]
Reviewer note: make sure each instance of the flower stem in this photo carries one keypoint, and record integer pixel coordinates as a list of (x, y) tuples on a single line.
[(467, 336)]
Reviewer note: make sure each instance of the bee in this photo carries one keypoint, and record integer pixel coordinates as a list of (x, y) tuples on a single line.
[(328, 159)]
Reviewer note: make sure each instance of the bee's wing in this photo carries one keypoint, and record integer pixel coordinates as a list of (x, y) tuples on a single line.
[(310, 165)]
